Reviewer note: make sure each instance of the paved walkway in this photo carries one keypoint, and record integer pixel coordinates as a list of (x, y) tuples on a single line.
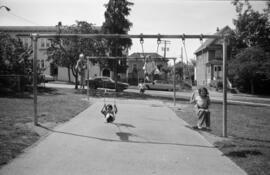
[(146, 138)]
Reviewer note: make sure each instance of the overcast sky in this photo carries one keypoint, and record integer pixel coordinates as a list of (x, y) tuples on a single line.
[(147, 16)]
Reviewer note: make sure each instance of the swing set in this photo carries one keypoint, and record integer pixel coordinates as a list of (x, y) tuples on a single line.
[(36, 36)]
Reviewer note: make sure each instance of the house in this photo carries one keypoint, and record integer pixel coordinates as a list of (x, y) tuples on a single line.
[(136, 62), (47, 67), (209, 60), (43, 44)]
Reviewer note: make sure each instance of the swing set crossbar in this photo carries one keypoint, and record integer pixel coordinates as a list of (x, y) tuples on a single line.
[(120, 58), (105, 57), (115, 36)]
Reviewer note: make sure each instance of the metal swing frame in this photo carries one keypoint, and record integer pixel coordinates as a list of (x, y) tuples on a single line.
[(36, 36)]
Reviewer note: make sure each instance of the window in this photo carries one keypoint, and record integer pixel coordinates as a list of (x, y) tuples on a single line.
[(38, 63), (218, 54), (134, 69), (42, 42), (48, 43), (42, 63), (219, 68), (25, 42)]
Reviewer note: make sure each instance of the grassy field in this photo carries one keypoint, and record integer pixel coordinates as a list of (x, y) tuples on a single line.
[(16, 117), (248, 142)]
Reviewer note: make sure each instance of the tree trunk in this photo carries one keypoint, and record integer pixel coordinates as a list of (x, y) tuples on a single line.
[(75, 74), (115, 74), (252, 89), (76, 80), (69, 74)]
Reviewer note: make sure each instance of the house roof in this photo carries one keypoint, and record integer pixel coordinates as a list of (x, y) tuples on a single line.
[(30, 29), (210, 41), (154, 56), (142, 55)]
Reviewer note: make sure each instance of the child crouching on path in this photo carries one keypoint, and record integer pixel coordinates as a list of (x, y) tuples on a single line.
[(202, 103), (141, 87)]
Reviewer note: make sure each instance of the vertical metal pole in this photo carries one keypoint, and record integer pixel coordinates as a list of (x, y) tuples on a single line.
[(182, 63), (138, 79), (35, 38), (225, 87), (165, 43), (174, 93), (88, 64)]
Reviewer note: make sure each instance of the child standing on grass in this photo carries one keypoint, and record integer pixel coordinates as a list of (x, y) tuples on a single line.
[(202, 103)]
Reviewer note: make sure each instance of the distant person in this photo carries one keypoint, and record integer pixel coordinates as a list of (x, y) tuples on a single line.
[(109, 112), (141, 87), (81, 67), (202, 103), (147, 79)]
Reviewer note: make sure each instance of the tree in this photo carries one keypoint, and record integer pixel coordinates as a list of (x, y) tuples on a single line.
[(116, 22), (65, 51), (14, 57), (251, 70), (250, 44), (252, 29)]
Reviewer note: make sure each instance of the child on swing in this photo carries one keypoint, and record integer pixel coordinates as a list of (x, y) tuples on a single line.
[(202, 103), (109, 112)]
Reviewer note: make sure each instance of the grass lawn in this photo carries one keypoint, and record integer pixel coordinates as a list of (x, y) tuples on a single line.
[(16, 117), (248, 142)]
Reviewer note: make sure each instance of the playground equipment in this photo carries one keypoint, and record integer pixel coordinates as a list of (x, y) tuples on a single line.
[(36, 36)]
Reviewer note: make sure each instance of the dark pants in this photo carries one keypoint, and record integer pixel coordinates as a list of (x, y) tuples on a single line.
[(203, 117)]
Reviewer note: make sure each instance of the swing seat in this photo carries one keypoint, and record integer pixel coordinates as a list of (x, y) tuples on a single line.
[(110, 118)]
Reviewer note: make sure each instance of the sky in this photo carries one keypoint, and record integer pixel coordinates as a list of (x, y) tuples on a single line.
[(147, 16)]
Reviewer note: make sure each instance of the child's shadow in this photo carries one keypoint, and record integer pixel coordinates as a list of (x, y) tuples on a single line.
[(124, 136), (124, 124)]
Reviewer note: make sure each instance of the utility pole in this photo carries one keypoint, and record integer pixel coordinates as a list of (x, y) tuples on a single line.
[(165, 42)]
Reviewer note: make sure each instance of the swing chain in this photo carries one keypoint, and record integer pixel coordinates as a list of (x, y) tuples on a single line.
[(183, 37), (185, 50), (158, 42), (141, 39), (142, 42), (201, 39)]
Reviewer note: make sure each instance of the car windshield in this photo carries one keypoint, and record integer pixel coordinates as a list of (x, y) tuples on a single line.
[(106, 79), (161, 81)]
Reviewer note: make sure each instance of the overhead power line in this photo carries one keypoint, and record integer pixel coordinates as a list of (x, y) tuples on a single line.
[(24, 19)]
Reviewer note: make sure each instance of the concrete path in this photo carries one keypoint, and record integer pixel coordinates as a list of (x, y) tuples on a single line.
[(146, 138)]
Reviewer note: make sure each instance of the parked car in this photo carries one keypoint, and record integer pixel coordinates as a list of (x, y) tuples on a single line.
[(159, 85), (46, 78), (106, 82)]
